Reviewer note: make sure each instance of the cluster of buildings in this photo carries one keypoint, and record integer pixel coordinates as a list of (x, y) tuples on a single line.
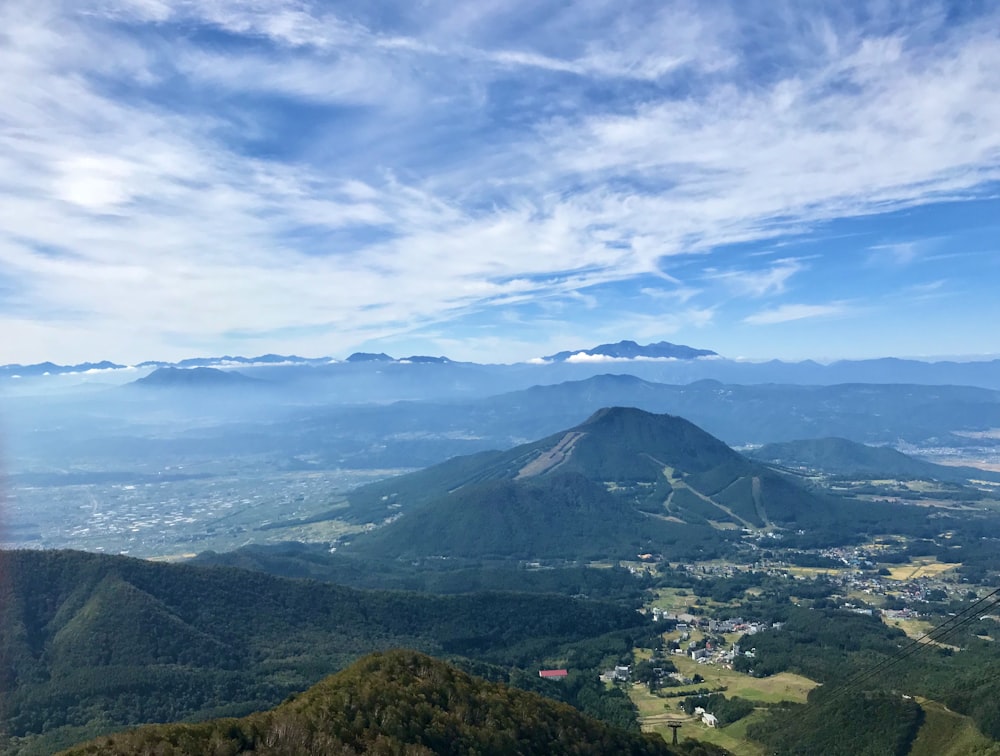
[(706, 718), (685, 623)]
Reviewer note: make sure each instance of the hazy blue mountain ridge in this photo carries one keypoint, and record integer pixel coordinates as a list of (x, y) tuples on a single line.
[(631, 350), (839, 456)]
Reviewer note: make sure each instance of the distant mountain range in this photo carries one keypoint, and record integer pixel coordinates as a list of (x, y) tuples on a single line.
[(661, 362), (227, 360), (383, 357), (50, 368), (629, 350), (198, 377), (747, 414)]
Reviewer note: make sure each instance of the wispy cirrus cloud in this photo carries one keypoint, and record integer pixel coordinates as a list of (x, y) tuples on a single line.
[(898, 254), (258, 175), (788, 312), (761, 282)]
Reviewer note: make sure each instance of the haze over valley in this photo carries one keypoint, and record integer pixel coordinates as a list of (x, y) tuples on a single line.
[(177, 460)]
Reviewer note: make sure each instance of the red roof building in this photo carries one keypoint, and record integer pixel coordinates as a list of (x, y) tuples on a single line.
[(552, 673)]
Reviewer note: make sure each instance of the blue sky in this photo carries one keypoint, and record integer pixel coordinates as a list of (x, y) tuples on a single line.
[(498, 180)]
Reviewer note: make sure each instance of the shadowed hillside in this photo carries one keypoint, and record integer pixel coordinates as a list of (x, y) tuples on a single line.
[(89, 643)]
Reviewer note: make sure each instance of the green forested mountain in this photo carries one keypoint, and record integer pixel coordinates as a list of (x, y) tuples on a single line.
[(89, 643), (399, 703), (839, 456), (641, 457), (562, 516), (623, 482)]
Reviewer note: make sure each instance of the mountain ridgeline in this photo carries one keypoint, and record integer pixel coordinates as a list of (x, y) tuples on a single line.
[(629, 350), (623, 482), (89, 642), (399, 703), (840, 456), (195, 377)]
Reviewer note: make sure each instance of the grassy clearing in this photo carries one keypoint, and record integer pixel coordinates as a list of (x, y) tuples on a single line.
[(945, 733), (918, 568), (866, 597), (914, 628), (917, 629), (785, 686), (733, 737), (675, 600), (675, 635), (650, 705), (655, 713), (314, 532), (812, 572)]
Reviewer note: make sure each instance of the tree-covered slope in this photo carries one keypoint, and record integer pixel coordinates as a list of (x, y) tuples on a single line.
[(562, 516), (619, 444), (863, 663), (866, 724), (399, 702), (98, 642), (623, 482), (446, 576)]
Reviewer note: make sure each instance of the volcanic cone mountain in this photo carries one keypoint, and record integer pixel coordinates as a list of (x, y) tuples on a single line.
[(623, 480)]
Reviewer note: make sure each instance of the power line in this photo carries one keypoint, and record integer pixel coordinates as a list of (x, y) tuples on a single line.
[(944, 630)]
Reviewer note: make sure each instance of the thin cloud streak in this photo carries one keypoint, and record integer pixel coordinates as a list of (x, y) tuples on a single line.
[(152, 179), (759, 283), (789, 312)]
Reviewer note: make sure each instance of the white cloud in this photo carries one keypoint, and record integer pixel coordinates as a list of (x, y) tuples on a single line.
[(584, 358), (899, 254), (759, 283), (146, 189), (881, 126), (789, 312)]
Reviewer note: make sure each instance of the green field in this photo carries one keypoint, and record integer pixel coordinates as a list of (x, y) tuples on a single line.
[(920, 567), (674, 600), (945, 733), (914, 628), (655, 711), (785, 686)]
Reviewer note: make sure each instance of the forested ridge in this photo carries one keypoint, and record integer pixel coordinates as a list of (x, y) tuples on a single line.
[(399, 702), (303, 560), (89, 643)]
